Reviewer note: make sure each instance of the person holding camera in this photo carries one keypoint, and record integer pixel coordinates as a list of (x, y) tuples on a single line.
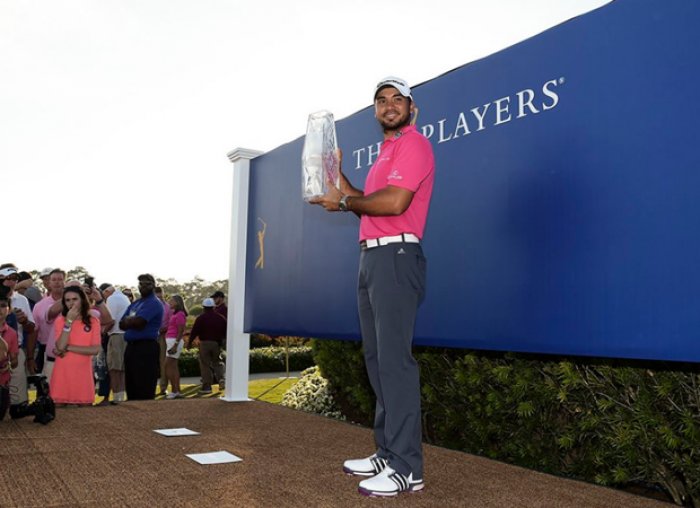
[(100, 310), (26, 335), (78, 340), (98, 304)]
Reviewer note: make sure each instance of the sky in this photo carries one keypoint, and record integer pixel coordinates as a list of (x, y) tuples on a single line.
[(116, 115)]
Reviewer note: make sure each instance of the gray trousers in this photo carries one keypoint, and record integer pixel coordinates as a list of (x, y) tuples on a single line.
[(210, 364), (391, 286)]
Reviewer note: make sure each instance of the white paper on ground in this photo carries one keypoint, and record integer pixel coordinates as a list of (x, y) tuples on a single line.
[(176, 432), (214, 457)]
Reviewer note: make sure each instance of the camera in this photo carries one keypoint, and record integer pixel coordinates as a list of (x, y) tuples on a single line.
[(42, 409)]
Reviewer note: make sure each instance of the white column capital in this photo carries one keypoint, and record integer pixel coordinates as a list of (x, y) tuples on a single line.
[(242, 153)]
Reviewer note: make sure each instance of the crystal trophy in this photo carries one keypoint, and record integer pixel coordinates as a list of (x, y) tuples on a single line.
[(319, 161)]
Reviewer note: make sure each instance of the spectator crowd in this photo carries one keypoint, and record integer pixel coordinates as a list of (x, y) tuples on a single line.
[(88, 339)]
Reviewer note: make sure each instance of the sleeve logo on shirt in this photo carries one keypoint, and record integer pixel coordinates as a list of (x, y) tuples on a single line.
[(394, 175)]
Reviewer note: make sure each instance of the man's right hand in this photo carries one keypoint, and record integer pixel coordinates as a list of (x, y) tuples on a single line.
[(73, 313), (21, 316)]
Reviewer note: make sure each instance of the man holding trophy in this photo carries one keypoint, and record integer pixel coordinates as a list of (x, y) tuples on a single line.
[(393, 209)]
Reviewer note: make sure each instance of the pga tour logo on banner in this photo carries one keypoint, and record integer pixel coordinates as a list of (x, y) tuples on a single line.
[(521, 104)]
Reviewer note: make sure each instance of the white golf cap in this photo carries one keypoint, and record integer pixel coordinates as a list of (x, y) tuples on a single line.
[(6, 272), (397, 83)]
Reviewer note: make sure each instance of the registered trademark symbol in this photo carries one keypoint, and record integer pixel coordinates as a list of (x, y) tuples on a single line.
[(561, 81)]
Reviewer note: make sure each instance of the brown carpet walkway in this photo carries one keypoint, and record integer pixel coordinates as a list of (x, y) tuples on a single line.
[(110, 457)]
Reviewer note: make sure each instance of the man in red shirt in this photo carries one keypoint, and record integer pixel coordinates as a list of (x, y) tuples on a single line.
[(210, 329), (393, 209)]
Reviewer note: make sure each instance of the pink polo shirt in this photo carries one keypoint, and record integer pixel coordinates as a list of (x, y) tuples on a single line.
[(41, 315), (406, 161), (176, 321)]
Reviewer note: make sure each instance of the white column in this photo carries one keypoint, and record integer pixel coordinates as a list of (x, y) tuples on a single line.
[(237, 342)]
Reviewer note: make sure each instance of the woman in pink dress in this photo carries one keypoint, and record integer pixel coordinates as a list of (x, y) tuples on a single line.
[(78, 340)]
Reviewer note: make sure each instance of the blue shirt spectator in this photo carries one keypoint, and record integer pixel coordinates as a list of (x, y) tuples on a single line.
[(150, 309)]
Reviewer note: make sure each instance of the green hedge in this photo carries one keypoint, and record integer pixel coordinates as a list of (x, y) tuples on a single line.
[(266, 359), (609, 422), (258, 340), (343, 365)]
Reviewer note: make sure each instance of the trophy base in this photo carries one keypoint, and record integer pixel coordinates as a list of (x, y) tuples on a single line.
[(309, 198)]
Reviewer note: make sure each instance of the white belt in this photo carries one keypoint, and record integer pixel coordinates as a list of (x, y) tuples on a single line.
[(386, 240)]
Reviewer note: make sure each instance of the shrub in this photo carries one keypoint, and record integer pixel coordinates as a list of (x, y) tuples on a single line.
[(631, 423), (342, 363), (261, 340), (269, 359), (311, 394), (189, 363), (273, 359), (610, 422)]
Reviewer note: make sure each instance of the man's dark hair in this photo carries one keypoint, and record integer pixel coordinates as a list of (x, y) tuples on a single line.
[(8, 265), (57, 270), (24, 276), (158, 289), (147, 277), (104, 286)]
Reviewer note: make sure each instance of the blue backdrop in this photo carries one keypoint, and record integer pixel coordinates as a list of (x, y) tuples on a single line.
[(565, 214)]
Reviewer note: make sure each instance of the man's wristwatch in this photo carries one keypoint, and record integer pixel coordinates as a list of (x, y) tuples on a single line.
[(343, 203)]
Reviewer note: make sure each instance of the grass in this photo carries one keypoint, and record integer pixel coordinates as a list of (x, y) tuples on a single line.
[(266, 390), (270, 390)]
